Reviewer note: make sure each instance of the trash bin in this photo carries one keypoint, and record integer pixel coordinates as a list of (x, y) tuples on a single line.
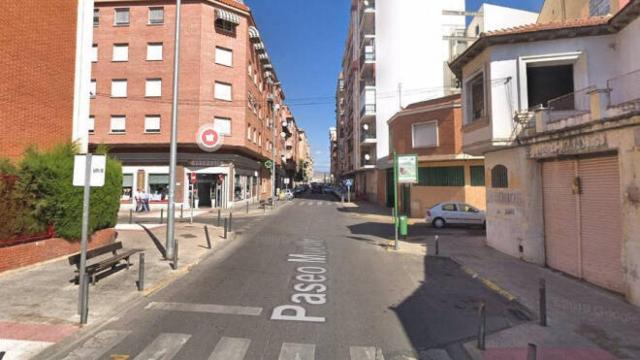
[(404, 225)]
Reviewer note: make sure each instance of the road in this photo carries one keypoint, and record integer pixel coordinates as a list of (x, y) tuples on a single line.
[(306, 283)]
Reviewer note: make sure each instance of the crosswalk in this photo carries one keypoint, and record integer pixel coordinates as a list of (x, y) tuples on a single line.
[(167, 346), (315, 203)]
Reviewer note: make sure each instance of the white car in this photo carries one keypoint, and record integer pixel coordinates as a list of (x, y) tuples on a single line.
[(454, 213)]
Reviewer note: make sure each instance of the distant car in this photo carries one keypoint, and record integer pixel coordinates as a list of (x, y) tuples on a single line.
[(447, 213), (316, 190)]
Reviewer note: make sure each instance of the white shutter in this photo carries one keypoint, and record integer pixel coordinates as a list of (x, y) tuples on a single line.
[(222, 125), (224, 56), (122, 17), (93, 89), (92, 124), (156, 15), (119, 88), (222, 91), (154, 51), (120, 52), (94, 53), (152, 123), (425, 135), (153, 88), (118, 124)]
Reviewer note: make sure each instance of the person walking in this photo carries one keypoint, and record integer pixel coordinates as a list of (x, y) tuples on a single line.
[(145, 201), (138, 200)]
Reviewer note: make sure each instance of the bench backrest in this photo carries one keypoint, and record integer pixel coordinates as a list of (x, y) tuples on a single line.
[(75, 259)]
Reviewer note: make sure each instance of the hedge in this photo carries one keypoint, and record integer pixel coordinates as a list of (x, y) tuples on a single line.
[(45, 189)]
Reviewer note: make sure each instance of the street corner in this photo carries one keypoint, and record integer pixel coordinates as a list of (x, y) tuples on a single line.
[(21, 340)]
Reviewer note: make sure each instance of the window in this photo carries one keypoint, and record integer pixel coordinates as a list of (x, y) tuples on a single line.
[(222, 91), (224, 56), (127, 186), (153, 88), (222, 126), (441, 176), (118, 88), (260, 139), (120, 52), (92, 124), (122, 17), (468, 208), (156, 15), (250, 70), (477, 30), (546, 83), (152, 124), (96, 17), (475, 98), (118, 124), (225, 27), (94, 53), (499, 177), (599, 7), (158, 186), (477, 175), (449, 207), (249, 133), (425, 135), (154, 51), (255, 136), (93, 88)]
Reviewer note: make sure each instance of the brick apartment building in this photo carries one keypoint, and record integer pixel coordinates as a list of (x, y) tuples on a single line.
[(433, 130), (44, 74), (226, 79)]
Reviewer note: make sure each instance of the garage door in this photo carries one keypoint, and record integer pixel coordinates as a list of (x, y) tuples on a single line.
[(583, 231)]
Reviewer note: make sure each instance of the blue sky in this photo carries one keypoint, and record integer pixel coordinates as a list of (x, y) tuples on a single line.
[(305, 40)]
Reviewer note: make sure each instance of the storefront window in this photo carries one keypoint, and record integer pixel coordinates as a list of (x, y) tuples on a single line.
[(247, 187), (127, 186), (237, 189), (158, 186)]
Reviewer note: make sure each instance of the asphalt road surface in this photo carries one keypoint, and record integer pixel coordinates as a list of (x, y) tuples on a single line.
[(307, 283)]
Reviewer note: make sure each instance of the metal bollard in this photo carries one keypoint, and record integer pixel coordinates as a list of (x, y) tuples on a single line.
[(219, 214), (206, 234), (84, 313), (174, 264), (437, 245), (130, 216), (181, 211), (230, 221), (225, 228), (247, 207), (141, 272), (161, 215), (2, 354), (532, 352), (482, 326), (543, 302)]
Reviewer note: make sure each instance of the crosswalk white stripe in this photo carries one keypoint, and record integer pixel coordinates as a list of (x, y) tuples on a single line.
[(365, 353), (293, 351), (206, 308), (98, 345), (230, 349), (164, 347)]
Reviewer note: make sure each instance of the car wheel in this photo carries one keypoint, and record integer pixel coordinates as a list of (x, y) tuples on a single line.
[(438, 223)]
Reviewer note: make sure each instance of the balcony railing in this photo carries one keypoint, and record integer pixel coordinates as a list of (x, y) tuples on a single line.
[(368, 135), (570, 105), (368, 110)]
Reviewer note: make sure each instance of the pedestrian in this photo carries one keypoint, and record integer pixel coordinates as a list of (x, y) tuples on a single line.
[(145, 199), (138, 200)]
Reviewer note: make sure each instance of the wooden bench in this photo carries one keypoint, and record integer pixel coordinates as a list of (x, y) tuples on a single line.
[(103, 266)]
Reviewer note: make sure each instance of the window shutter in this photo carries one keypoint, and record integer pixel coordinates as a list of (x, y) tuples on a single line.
[(425, 135), (222, 125), (477, 176), (119, 88), (222, 91), (120, 52), (153, 88), (156, 15), (152, 123), (224, 56), (118, 124), (122, 16), (441, 176), (154, 51)]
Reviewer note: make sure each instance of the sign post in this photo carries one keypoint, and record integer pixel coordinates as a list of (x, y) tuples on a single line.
[(405, 171), (349, 183), (194, 180), (88, 171)]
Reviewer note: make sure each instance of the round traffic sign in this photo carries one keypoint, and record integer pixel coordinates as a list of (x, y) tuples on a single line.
[(208, 138)]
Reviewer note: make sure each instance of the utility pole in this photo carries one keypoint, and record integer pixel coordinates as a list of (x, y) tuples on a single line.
[(273, 147), (171, 213)]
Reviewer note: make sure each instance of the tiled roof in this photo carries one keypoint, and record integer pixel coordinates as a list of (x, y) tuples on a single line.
[(235, 4), (568, 24)]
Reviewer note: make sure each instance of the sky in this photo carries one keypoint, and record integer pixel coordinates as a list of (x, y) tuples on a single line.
[(305, 40)]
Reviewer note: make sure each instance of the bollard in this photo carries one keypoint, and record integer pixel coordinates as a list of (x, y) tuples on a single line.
[(247, 207), (130, 216), (219, 213), (230, 221), (2, 353), (482, 325), (225, 228), (532, 352), (84, 312), (181, 211), (437, 245), (543, 302), (174, 264), (206, 235), (141, 272), (161, 215)]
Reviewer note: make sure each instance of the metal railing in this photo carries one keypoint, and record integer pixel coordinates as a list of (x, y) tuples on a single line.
[(624, 89), (569, 105), (368, 109), (369, 135)]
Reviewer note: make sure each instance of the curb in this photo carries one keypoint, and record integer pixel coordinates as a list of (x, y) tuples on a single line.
[(485, 281)]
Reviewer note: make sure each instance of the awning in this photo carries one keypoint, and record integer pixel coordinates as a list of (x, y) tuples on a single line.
[(268, 74), (254, 34), (267, 66), (227, 16), (259, 47), (264, 58)]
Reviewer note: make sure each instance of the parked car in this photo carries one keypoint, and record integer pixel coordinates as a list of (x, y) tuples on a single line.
[(455, 213)]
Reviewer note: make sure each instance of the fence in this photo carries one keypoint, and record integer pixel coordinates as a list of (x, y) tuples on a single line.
[(625, 89), (570, 105)]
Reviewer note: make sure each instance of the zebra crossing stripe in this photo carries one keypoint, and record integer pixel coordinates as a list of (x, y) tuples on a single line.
[(293, 351), (365, 353), (230, 349), (206, 308), (98, 345), (164, 347)]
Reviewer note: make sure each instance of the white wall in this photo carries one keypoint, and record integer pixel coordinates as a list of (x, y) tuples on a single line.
[(494, 17)]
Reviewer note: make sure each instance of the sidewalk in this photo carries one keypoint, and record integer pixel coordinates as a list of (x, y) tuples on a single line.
[(39, 303), (584, 321)]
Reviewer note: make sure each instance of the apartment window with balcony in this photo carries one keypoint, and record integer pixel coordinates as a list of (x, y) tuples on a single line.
[(222, 91), (425, 135), (118, 124), (152, 124), (121, 17), (153, 88), (96, 17), (475, 98), (156, 15), (222, 125), (224, 56), (119, 88), (94, 53), (546, 83), (120, 52), (154, 51), (92, 124), (92, 88)]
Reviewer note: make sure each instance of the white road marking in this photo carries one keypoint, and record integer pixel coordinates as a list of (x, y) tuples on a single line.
[(206, 308), (365, 353), (230, 349), (319, 203), (292, 351), (164, 347), (21, 349), (98, 345)]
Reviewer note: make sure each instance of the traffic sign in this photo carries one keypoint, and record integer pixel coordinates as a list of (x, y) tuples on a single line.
[(194, 178), (348, 182), (98, 166), (268, 164), (208, 139)]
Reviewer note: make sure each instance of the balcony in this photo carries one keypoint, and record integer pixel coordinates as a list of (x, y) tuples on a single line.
[(368, 102), (368, 138), (368, 59), (367, 161), (367, 18)]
